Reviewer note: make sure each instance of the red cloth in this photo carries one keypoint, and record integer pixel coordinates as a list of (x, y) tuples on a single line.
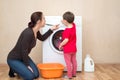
[(70, 33)]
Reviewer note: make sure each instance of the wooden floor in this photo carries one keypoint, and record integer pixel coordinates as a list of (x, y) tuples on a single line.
[(102, 72)]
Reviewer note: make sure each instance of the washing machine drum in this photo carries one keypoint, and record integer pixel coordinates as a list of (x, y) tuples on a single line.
[(56, 39)]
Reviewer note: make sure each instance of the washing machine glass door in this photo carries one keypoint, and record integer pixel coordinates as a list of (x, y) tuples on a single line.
[(55, 40)]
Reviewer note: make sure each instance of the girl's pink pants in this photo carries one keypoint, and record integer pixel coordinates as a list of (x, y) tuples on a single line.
[(71, 64)]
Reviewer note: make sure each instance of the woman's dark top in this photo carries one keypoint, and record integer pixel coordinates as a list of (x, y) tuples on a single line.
[(25, 43)]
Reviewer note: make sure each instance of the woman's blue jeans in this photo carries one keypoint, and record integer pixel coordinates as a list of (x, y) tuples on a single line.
[(21, 69)]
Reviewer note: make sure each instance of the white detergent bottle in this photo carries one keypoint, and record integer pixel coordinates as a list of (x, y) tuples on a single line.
[(88, 64)]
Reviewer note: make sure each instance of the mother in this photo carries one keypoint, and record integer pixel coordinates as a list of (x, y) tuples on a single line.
[(18, 59)]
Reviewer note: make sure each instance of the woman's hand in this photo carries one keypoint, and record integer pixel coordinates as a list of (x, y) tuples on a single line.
[(30, 68), (54, 27)]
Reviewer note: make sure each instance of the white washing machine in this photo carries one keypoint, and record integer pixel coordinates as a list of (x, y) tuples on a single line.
[(51, 53)]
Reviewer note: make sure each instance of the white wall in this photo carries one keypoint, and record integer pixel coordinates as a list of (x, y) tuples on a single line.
[(101, 25)]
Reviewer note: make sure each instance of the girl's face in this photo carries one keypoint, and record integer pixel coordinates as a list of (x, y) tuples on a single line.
[(64, 22)]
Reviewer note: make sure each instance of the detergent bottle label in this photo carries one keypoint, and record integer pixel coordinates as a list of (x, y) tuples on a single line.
[(88, 64)]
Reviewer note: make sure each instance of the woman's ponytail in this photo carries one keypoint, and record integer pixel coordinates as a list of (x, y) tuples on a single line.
[(30, 25)]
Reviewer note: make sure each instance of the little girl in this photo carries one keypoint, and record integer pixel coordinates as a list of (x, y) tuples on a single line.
[(69, 44)]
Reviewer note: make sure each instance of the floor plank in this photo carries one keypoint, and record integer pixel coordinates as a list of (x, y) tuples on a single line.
[(102, 72)]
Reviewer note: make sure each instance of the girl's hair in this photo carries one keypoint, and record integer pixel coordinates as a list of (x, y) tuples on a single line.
[(34, 18), (68, 16)]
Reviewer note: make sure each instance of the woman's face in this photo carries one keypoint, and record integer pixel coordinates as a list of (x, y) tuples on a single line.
[(43, 21)]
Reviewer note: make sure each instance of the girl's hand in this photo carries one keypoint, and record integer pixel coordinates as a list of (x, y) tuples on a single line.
[(54, 27), (60, 47)]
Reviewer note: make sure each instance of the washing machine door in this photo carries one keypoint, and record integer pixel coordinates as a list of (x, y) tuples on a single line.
[(56, 39)]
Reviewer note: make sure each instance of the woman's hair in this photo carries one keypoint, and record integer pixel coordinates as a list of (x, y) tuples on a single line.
[(68, 16), (34, 18)]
